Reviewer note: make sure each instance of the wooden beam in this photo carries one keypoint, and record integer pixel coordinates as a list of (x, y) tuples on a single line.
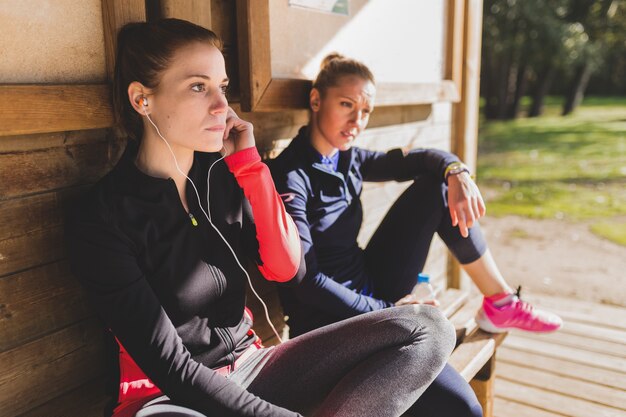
[(454, 42), (483, 386), (116, 14), (195, 11), (254, 62), (26, 109), (465, 112)]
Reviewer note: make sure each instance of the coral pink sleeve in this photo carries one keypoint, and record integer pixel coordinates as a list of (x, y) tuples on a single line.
[(279, 243)]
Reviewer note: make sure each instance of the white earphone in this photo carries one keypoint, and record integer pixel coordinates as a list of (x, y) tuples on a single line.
[(143, 102)]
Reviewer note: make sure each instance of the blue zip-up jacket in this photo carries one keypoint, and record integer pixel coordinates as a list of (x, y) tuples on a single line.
[(327, 210)]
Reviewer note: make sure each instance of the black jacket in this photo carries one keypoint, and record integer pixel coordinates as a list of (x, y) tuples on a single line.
[(169, 291), (327, 209)]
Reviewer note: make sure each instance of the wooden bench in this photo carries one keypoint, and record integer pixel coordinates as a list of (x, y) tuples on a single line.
[(473, 358)]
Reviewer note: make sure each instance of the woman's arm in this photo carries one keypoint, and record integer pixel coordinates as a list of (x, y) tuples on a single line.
[(276, 233), (103, 260), (316, 288), (401, 165)]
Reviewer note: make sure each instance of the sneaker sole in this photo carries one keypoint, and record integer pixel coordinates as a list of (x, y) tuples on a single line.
[(486, 325)]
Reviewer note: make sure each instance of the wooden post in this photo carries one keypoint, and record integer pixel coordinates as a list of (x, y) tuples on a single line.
[(116, 14), (483, 383), (465, 113), (195, 11)]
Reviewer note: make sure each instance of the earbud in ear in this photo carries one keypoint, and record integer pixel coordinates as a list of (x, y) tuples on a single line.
[(143, 102)]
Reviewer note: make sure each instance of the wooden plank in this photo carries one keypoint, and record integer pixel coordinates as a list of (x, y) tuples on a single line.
[(564, 385), (224, 23), (562, 366), (594, 331), (485, 394), (54, 168), (464, 318), (580, 342), (116, 14), (39, 371), (580, 311), (40, 141), (284, 94), (88, 400), (453, 69), (26, 215), (465, 112), (26, 109), (506, 408), (27, 251), (39, 301), (253, 34), (573, 354), (198, 12), (451, 300), (474, 352), (552, 402)]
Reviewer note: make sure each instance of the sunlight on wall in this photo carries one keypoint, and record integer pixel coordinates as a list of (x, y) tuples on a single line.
[(51, 41), (400, 40)]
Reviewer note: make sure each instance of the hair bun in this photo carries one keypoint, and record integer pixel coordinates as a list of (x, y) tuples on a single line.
[(329, 58)]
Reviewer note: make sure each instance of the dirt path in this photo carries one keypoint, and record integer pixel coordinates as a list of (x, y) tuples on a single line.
[(558, 258)]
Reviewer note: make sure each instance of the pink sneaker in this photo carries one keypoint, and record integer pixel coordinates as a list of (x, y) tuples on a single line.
[(498, 315)]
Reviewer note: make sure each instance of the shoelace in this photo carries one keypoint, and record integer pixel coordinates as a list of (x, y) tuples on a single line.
[(525, 307)]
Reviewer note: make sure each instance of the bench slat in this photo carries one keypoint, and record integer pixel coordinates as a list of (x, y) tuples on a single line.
[(469, 357)]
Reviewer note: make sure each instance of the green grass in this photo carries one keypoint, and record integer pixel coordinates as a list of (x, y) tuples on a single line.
[(570, 167), (612, 231)]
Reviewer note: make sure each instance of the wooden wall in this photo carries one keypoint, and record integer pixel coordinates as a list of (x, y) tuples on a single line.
[(56, 140)]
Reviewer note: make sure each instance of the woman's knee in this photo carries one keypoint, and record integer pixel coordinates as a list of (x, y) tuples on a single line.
[(433, 326)]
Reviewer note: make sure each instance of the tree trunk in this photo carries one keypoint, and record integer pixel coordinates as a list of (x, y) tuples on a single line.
[(521, 84), (545, 81), (577, 90)]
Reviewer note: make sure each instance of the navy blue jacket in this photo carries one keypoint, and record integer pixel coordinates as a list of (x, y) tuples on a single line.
[(327, 210)]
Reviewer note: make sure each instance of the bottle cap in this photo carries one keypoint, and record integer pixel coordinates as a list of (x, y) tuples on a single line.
[(421, 277)]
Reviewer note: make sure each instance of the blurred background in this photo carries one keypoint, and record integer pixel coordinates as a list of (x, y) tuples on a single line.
[(552, 144)]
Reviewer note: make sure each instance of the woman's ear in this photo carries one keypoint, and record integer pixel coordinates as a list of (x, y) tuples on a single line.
[(138, 97), (314, 99)]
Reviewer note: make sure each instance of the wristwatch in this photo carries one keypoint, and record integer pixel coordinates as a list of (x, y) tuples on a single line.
[(455, 168)]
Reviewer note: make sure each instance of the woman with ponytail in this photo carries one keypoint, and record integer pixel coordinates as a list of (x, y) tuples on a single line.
[(160, 245), (320, 177)]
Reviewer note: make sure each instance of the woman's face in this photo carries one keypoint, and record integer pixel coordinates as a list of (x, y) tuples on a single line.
[(343, 112), (189, 105)]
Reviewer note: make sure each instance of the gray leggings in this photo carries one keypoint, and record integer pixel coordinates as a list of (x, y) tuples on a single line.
[(376, 364)]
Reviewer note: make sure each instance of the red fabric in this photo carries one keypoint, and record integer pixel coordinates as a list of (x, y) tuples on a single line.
[(136, 389), (279, 243)]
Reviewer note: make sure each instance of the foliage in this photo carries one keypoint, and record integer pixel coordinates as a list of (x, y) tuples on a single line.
[(554, 167), (529, 43)]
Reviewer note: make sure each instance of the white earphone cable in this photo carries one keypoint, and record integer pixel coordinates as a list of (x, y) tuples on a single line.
[(208, 217)]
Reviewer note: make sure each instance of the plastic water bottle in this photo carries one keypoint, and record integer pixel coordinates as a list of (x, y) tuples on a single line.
[(423, 291)]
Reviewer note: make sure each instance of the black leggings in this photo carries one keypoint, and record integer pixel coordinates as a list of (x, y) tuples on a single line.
[(397, 252)]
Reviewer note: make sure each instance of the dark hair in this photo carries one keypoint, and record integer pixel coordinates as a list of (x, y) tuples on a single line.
[(144, 51), (336, 66)]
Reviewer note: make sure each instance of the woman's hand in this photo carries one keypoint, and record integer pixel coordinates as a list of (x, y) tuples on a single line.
[(464, 201), (411, 299), (238, 134)]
